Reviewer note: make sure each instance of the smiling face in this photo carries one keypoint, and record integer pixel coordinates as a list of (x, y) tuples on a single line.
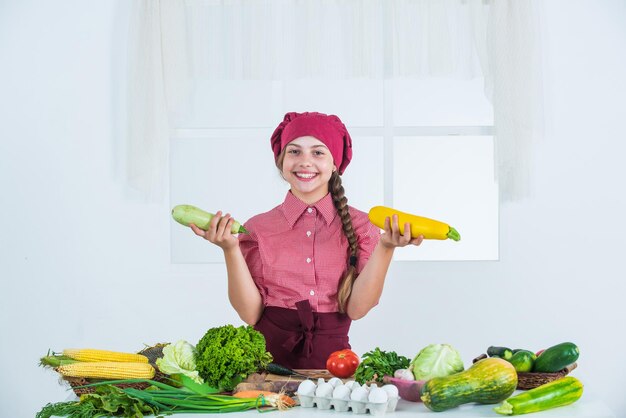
[(307, 167)]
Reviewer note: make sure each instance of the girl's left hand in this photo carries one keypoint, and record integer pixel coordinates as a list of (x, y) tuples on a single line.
[(393, 238)]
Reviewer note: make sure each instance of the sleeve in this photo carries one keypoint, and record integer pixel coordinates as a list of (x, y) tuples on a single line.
[(249, 245), (368, 236)]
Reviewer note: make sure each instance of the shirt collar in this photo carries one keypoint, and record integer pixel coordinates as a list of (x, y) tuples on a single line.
[(293, 208)]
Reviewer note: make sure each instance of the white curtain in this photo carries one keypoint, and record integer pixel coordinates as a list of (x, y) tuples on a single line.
[(175, 41)]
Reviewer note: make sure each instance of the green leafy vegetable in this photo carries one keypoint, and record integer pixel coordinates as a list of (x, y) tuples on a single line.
[(436, 360), (107, 400), (377, 363), (226, 355), (179, 358)]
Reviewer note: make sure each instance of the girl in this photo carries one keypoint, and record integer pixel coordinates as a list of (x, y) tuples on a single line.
[(311, 265)]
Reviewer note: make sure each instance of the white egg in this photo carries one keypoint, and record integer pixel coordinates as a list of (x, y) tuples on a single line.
[(306, 388), (324, 390), (391, 390), (349, 384), (341, 392), (335, 381), (359, 394), (378, 395)]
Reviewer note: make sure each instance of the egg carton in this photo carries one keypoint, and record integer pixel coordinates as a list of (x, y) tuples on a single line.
[(309, 398)]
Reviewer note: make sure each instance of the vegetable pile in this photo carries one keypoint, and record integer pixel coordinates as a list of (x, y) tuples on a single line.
[(189, 379), (183, 378), (550, 360)]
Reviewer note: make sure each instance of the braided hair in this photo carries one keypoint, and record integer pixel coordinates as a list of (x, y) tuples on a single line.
[(340, 200)]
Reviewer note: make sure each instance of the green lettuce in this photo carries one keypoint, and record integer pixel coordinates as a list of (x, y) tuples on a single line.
[(179, 358), (436, 360), (226, 355)]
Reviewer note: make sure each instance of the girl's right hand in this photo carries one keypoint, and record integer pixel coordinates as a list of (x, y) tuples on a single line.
[(219, 231)]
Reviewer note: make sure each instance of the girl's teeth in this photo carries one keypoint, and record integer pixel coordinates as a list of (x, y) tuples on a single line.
[(306, 176)]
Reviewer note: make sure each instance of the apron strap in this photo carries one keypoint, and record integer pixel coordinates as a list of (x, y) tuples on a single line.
[(307, 325)]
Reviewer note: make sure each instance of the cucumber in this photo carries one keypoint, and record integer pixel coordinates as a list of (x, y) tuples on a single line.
[(501, 352), (523, 360), (556, 358), (560, 392), (275, 368)]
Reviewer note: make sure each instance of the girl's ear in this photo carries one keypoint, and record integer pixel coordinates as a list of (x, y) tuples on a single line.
[(334, 168)]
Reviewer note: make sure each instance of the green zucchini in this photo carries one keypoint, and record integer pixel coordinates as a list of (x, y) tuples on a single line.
[(275, 368), (490, 380), (560, 392), (523, 360), (188, 214), (556, 358), (501, 352)]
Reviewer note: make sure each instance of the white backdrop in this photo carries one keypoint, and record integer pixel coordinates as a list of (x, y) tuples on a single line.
[(84, 262)]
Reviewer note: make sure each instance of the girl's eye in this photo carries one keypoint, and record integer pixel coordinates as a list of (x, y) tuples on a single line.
[(292, 151), (319, 152)]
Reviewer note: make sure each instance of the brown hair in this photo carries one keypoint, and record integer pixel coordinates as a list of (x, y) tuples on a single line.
[(340, 201)]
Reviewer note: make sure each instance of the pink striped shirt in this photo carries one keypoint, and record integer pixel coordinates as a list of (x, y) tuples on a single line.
[(298, 251)]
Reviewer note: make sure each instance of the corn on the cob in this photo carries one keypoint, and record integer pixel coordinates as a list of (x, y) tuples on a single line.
[(90, 354), (108, 370)]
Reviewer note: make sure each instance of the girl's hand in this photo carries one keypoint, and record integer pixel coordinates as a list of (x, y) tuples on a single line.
[(392, 237), (219, 231)]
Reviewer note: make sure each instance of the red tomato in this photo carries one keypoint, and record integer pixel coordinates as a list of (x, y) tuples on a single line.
[(342, 363)]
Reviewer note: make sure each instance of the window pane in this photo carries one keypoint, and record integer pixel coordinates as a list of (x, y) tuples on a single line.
[(344, 98), (363, 180), (440, 102), (231, 103), (450, 179)]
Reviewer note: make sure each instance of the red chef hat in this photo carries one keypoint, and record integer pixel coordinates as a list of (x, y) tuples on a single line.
[(327, 128)]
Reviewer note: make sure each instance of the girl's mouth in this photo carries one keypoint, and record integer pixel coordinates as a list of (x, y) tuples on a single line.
[(305, 176)]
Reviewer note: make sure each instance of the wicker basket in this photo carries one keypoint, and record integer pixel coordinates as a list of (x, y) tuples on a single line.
[(153, 353), (532, 380)]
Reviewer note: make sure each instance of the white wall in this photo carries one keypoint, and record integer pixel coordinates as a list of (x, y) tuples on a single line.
[(84, 262)]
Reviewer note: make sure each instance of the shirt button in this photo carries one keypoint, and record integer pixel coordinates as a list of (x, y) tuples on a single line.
[(308, 233), (309, 210), (311, 293), (308, 260)]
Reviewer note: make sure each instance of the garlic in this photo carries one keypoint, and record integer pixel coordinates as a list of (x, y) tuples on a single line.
[(404, 374)]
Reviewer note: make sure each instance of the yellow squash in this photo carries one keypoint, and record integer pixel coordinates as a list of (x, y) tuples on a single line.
[(429, 228)]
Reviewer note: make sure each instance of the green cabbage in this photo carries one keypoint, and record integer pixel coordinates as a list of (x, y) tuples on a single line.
[(179, 359), (436, 360)]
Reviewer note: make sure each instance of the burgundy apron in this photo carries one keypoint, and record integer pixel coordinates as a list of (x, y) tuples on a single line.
[(302, 339)]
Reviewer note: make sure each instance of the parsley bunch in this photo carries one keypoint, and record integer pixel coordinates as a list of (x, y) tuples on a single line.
[(377, 363), (226, 355)]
